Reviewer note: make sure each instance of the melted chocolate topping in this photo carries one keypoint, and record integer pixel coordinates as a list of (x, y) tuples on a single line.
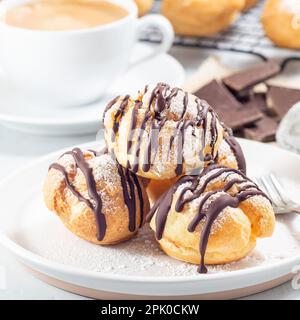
[(130, 186), (238, 153), (110, 105), (211, 205), (119, 114), (160, 100), (236, 149)]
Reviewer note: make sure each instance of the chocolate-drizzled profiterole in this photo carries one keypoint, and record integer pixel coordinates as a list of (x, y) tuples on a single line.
[(212, 218), (95, 197), (162, 133), (230, 153)]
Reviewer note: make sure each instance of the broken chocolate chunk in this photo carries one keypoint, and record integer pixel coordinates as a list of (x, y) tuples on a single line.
[(242, 81), (258, 100), (264, 130), (281, 99), (233, 113)]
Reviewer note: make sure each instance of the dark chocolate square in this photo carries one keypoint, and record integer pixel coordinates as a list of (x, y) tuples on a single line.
[(280, 99), (240, 82), (234, 114), (264, 130)]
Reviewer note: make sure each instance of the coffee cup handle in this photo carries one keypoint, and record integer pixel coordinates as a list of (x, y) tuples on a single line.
[(164, 26)]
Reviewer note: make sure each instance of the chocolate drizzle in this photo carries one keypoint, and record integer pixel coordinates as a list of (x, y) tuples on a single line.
[(155, 118), (211, 205), (238, 152), (130, 186), (69, 184), (236, 149), (110, 105), (119, 114)]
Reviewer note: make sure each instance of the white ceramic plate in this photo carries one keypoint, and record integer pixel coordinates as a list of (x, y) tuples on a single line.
[(18, 112), (138, 268)]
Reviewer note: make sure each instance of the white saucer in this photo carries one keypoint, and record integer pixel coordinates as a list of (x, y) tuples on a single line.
[(137, 268), (22, 115)]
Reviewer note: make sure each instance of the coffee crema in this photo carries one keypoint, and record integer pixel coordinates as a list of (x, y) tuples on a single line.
[(64, 15)]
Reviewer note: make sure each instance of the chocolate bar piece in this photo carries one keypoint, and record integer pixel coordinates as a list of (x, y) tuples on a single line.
[(264, 130), (234, 114), (244, 80), (280, 99), (257, 100)]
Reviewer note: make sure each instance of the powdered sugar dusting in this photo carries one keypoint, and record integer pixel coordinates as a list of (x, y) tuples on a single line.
[(105, 169), (105, 172), (219, 222), (103, 166), (226, 152), (194, 204), (176, 107), (178, 128), (142, 256)]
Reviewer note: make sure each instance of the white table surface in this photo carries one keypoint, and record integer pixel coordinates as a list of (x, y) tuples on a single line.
[(17, 149)]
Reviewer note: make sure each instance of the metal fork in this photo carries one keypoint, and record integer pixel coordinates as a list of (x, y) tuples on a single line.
[(282, 203)]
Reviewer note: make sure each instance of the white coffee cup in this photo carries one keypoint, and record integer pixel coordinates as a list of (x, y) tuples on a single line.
[(71, 68)]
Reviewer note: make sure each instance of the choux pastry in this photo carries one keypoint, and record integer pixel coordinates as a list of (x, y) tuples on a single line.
[(95, 197), (281, 22), (162, 133), (230, 153), (213, 218), (144, 6), (201, 17), (156, 188)]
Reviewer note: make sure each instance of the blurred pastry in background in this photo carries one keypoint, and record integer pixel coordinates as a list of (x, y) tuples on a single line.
[(144, 6), (249, 4), (201, 17), (281, 22)]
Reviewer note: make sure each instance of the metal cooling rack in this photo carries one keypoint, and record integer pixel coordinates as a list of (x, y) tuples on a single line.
[(246, 35)]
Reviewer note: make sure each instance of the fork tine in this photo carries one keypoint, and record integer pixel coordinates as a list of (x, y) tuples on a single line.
[(262, 186), (270, 185), (279, 189), (258, 183), (273, 195)]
